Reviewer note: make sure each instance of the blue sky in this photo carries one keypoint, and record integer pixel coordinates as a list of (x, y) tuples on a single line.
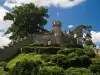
[(71, 13), (87, 13)]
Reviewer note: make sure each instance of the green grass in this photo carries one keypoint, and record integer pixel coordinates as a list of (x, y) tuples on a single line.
[(21, 57)]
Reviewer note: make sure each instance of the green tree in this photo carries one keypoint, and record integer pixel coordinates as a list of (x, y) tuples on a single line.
[(79, 30), (27, 19)]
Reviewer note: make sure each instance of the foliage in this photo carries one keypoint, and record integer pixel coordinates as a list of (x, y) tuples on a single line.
[(27, 19), (61, 60), (72, 45), (37, 45), (41, 50), (21, 57), (51, 70), (65, 51), (43, 45), (72, 55), (95, 66), (26, 68), (79, 51), (88, 42), (79, 30), (3, 63), (84, 61), (46, 57), (49, 64), (89, 51), (78, 71)]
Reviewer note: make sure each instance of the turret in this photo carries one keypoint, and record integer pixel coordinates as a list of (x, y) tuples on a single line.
[(56, 28)]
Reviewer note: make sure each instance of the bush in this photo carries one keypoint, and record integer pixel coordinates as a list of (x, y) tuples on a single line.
[(47, 50), (49, 64), (74, 45), (78, 71), (46, 57), (95, 66), (51, 70), (84, 61), (88, 42), (73, 59), (65, 51), (37, 45), (53, 45), (61, 60), (72, 55), (79, 51), (26, 68), (89, 51)]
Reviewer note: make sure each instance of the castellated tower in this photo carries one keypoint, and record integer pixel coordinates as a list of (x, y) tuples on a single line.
[(56, 28)]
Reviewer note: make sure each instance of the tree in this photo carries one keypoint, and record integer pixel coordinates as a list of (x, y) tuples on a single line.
[(81, 29), (27, 19)]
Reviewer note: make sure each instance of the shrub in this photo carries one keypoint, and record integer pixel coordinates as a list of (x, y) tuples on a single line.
[(54, 45), (88, 42), (61, 60), (26, 68), (51, 70), (49, 64), (73, 59), (37, 45), (95, 66), (89, 51), (79, 51), (84, 60), (78, 71), (65, 51), (72, 45), (46, 57), (47, 50), (72, 55)]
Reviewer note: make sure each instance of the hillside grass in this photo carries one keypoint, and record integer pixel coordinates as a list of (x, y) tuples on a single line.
[(21, 57)]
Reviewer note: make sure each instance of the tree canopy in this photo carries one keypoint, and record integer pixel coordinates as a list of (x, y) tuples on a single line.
[(81, 29), (27, 19)]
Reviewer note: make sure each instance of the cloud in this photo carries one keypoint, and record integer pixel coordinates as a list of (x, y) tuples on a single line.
[(4, 24), (4, 39), (95, 37), (70, 26), (2, 12), (61, 3)]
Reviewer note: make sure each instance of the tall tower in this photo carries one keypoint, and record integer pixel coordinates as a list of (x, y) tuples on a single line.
[(56, 28)]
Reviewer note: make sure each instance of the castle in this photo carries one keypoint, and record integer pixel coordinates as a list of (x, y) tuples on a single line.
[(54, 37), (57, 36)]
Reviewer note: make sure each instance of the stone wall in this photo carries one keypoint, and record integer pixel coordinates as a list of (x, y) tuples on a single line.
[(12, 50)]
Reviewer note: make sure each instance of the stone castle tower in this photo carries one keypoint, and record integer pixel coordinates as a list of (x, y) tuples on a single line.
[(56, 28)]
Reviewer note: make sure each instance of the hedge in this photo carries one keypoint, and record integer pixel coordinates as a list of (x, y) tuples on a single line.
[(41, 50)]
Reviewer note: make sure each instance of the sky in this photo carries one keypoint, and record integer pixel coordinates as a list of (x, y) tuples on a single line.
[(71, 13)]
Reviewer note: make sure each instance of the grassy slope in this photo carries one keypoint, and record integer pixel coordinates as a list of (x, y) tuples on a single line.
[(21, 57)]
